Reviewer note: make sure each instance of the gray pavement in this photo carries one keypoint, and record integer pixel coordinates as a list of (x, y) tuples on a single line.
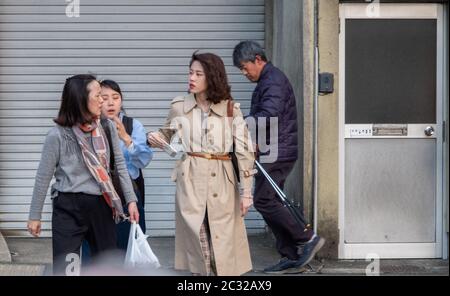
[(5, 256), (31, 256)]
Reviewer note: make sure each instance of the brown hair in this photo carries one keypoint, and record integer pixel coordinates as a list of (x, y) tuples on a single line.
[(218, 88)]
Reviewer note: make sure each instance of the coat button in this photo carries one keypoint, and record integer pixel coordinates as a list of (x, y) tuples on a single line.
[(213, 174), (215, 195), (182, 174)]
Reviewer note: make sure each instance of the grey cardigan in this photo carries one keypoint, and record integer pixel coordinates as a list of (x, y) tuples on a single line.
[(61, 157)]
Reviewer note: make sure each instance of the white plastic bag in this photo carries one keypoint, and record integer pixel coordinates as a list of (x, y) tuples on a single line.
[(139, 254)]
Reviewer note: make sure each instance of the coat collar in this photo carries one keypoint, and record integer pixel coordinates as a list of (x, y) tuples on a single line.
[(189, 103), (219, 108), (267, 67)]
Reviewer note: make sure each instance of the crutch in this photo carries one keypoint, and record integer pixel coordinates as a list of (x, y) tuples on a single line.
[(298, 216)]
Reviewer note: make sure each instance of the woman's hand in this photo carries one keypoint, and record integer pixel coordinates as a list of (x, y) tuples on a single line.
[(155, 140), (133, 211), (34, 227), (122, 132), (246, 203)]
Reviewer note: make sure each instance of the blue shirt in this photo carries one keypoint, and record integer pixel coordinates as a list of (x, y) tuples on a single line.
[(138, 155)]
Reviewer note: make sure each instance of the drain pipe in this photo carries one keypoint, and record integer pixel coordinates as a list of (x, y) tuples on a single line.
[(315, 112)]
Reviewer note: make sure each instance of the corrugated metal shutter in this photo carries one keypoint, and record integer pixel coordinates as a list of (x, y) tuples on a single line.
[(144, 45)]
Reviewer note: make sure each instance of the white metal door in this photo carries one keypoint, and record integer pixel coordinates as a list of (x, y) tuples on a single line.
[(390, 154)]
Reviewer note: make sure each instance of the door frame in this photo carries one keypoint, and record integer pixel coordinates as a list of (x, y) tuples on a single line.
[(394, 250), (445, 113)]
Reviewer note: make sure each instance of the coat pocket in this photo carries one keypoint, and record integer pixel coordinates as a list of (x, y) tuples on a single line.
[(175, 170), (181, 167), (229, 171), (173, 177)]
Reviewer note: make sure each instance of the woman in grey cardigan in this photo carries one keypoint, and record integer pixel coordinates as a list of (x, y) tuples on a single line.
[(77, 152)]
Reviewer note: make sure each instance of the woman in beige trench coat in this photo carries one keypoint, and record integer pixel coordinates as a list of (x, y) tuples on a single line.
[(210, 233)]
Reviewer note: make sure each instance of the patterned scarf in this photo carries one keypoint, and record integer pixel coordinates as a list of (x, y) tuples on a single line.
[(96, 162)]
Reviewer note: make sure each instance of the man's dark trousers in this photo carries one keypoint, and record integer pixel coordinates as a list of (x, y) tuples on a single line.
[(288, 232)]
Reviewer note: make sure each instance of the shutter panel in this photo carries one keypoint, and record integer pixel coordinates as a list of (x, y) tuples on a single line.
[(144, 45)]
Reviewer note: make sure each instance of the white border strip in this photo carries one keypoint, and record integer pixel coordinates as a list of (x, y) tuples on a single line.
[(341, 145), (390, 11), (445, 210), (440, 153), (390, 251)]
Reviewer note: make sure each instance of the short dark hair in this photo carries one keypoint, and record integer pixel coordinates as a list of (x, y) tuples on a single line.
[(112, 85), (246, 51), (218, 88), (108, 83), (74, 101)]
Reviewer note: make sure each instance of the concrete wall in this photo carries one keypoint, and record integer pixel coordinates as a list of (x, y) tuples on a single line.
[(309, 40), (286, 52), (328, 123), (291, 48)]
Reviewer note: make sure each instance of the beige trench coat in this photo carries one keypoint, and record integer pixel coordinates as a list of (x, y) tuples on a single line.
[(211, 185)]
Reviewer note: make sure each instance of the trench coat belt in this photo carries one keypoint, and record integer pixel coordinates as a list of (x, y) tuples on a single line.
[(210, 156)]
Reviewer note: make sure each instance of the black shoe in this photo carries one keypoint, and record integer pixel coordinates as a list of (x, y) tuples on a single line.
[(309, 250), (283, 266)]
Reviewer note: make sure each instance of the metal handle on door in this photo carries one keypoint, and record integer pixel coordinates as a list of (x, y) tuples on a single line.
[(429, 131)]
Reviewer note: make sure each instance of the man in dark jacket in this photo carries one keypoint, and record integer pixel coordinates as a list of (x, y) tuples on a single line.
[(273, 105)]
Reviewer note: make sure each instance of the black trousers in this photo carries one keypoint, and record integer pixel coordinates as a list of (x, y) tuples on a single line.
[(288, 232), (79, 216)]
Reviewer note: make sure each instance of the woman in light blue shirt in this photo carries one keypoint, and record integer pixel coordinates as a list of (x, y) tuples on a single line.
[(137, 154), (134, 147)]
